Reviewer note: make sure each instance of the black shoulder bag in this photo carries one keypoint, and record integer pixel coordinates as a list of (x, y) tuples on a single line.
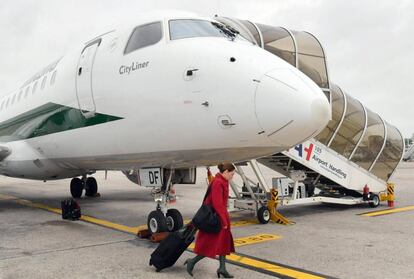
[(206, 218)]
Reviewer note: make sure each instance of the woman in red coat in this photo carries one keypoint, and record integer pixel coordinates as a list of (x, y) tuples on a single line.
[(221, 243)]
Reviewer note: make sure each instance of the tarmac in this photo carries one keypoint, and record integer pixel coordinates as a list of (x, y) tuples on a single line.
[(326, 241)]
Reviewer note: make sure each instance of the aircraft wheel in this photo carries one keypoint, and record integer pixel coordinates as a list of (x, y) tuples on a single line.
[(91, 187), (76, 187), (375, 200), (174, 220), (263, 214), (156, 222)]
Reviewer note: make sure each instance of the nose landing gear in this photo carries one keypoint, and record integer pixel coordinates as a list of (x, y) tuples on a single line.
[(161, 219), (159, 222), (174, 220)]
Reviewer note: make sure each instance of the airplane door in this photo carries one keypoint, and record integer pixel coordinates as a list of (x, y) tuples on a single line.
[(84, 89)]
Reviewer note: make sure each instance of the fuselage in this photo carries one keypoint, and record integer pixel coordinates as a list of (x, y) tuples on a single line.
[(177, 102)]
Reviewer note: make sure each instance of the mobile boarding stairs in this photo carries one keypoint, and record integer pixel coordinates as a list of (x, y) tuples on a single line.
[(313, 173)]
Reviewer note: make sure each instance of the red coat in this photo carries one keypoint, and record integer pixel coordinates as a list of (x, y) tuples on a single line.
[(221, 243)]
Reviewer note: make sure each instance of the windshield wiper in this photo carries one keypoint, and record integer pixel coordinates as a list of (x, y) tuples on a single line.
[(228, 31)]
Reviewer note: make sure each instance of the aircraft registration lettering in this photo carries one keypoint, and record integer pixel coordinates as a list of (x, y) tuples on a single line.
[(134, 66), (150, 177)]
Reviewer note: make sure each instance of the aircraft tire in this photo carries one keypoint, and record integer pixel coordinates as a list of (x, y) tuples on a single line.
[(156, 222), (76, 187), (91, 187), (263, 214), (375, 201), (174, 220)]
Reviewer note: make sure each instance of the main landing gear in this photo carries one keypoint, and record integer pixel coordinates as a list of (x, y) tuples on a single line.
[(89, 184), (161, 219)]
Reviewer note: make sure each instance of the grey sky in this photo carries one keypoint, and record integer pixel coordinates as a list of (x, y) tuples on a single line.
[(369, 43)]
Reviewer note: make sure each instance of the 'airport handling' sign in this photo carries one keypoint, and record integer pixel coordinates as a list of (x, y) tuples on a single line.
[(318, 159)]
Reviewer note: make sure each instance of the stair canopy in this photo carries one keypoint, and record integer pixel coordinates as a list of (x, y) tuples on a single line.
[(354, 131), (299, 48)]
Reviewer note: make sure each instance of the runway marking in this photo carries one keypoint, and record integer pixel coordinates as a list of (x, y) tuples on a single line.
[(101, 222), (89, 219), (387, 211), (242, 223), (249, 240), (245, 261), (263, 266), (255, 239), (108, 224), (272, 268), (38, 205), (140, 228)]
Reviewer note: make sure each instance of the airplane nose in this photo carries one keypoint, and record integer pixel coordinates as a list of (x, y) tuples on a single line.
[(290, 108), (320, 112)]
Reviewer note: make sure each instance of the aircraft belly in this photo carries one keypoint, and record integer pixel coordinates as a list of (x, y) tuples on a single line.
[(58, 168), (180, 158)]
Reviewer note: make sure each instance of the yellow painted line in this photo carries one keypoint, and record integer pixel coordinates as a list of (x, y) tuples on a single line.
[(89, 219), (250, 262), (133, 230), (140, 228), (272, 267), (40, 206), (388, 211), (249, 240), (255, 239), (108, 224), (241, 223), (246, 261)]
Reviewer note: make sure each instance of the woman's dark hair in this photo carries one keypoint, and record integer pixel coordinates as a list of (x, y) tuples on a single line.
[(226, 167)]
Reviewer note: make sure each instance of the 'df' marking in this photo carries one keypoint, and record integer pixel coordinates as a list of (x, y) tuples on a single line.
[(154, 177)]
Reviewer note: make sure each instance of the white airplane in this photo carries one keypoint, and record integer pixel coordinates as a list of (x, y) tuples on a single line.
[(162, 95), (409, 152)]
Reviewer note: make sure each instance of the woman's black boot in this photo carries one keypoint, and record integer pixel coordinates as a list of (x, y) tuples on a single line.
[(222, 269), (190, 263)]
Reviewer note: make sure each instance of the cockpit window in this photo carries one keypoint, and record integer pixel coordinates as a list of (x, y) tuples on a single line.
[(144, 35), (189, 28)]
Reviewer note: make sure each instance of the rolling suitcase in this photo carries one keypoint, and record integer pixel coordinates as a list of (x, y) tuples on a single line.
[(70, 209), (171, 248)]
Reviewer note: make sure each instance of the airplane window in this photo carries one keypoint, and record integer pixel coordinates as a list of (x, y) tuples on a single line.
[(52, 80), (189, 28), (43, 82), (34, 87), (20, 95), (144, 35)]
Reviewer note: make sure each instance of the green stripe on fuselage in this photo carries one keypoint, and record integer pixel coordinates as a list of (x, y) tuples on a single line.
[(48, 119)]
